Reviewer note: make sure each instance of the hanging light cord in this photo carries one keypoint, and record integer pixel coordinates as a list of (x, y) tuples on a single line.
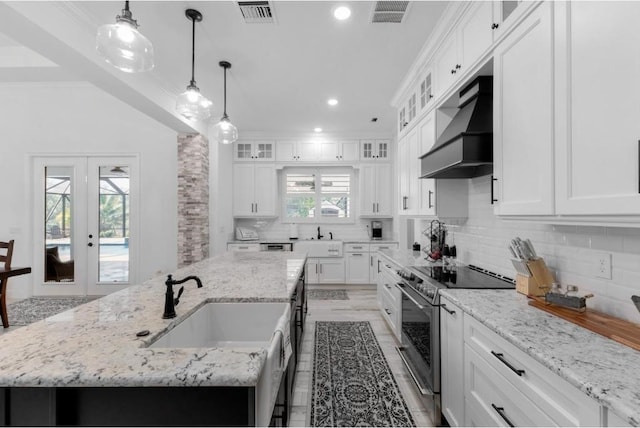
[(225, 93), (193, 50)]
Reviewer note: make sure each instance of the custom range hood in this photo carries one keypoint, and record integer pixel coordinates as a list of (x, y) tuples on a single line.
[(465, 148)]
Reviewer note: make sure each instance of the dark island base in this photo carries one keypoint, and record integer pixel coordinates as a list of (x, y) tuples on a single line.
[(135, 406)]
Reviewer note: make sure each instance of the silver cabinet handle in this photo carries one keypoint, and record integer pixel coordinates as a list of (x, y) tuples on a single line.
[(357, 254), (371, 258), (430, 204)]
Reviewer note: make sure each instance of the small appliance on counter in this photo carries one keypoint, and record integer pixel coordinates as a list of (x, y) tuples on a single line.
[(376, 230), (246, 234), (293, 231)]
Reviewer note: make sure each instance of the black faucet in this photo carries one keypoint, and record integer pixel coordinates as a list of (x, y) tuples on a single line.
[(169, 302), (319, 236), (331, 235)]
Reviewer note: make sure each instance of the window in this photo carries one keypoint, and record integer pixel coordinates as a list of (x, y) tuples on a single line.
[(318, 195)]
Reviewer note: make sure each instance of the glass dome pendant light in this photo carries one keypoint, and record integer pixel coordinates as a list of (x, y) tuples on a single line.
[(224, 131), (191, 103), (123, 46)]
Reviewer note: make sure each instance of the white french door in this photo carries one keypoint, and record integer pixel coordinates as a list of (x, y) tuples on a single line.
[(85, 224)]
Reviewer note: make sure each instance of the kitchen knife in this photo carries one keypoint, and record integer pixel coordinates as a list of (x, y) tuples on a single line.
[(636, 301), (523, 249), (513, 252), (531, 249), (519, 255), (521, 267)]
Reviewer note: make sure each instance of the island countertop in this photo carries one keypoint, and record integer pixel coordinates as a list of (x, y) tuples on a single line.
[(95, 344)]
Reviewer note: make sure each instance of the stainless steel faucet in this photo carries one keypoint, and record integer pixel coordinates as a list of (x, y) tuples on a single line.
[(169, 302)]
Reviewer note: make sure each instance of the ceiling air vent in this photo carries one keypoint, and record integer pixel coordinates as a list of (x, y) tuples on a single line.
[(389, 11), (256, 12)]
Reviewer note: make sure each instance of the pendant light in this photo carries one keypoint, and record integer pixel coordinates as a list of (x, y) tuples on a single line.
[(191, 103), (123, 46), (224, 131)]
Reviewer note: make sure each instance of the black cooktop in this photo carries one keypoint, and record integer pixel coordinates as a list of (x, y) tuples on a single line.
[(465, 277)]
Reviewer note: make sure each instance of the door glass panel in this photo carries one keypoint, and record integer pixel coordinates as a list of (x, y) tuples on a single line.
[(113, 213), (508, 7), (58, 225)]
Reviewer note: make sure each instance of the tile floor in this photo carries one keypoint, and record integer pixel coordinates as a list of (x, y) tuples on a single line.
[(361, 306)]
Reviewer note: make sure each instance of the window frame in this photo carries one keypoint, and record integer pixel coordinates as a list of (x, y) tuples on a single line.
[(318, 172)]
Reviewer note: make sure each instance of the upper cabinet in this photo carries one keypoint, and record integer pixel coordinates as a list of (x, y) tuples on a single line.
[(375, 190), (523, 113), (295, 151), (598, 84), (339, 151), (254, 190), (254, 151), (373, 150)]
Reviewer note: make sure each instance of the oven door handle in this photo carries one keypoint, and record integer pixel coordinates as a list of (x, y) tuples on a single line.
[(401, 288)]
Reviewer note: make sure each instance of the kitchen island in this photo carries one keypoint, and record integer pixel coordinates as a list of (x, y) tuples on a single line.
[(94, 348)]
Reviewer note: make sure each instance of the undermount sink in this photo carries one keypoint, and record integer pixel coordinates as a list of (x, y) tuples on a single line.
[(320, 248), (235, 324)]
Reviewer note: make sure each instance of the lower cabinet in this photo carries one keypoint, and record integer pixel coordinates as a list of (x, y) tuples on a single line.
[(390, 301), (487, 381), (362, 261), (451, 348), (325, 270), (243, 247)]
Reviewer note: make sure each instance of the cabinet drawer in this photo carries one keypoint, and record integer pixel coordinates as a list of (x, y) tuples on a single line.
[(390, 291), (487, 390), (561, 401), (389, 246), (243, 247), (356, 248), (389, 312)]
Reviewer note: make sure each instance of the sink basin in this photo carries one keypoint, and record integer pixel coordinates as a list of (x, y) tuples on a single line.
[(328, 248), (225, 325)]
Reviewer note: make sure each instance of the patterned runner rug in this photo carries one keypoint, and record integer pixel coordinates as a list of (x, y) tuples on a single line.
[(352, 384), (315, 294), (34, 309)]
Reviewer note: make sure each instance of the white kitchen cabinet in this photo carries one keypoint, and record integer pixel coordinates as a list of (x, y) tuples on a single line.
[(523, 132), (467, 43), (254, 151), (339, 151), (451, 360), (329, 270), (373, 258), (243, 247), (357, 266), (371, 150), (505, 383), (254, 190), (426, 89), (390, 302), (297, 151), (409, 191), (375, 190), (597, 145)]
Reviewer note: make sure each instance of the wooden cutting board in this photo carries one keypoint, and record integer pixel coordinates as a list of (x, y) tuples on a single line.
[(621, 331)]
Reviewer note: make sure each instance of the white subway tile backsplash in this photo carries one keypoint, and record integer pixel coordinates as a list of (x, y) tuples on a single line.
[(570, 252)]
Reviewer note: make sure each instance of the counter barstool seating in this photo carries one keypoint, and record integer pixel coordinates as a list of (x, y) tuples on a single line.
[(5, 262)]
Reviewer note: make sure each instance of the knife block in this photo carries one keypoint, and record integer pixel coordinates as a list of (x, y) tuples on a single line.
[(539, 282)]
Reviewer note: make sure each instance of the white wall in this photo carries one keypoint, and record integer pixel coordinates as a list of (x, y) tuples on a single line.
[(570, 251), (64, 118)]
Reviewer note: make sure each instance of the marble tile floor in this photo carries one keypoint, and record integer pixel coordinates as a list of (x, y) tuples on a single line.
[(361, 306)]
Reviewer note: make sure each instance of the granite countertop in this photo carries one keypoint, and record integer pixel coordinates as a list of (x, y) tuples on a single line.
[(95, 344), (602, 368), (293, 241)]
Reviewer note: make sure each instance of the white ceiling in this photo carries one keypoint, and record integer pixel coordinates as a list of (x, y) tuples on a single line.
[(281, 75)]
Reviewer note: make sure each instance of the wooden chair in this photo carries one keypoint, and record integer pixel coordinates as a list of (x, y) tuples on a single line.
[(5, 262)]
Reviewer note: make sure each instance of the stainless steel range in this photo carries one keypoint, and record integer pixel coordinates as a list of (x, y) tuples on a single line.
[(420, 325)]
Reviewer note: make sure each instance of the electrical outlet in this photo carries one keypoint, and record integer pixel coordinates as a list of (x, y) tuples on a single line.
[(603, 265)]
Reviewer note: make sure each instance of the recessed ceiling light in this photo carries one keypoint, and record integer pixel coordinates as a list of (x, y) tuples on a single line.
[(317, 129), (341, 13), (332, 101)]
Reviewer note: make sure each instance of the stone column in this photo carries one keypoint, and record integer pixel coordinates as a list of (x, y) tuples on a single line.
[(193, 199)]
